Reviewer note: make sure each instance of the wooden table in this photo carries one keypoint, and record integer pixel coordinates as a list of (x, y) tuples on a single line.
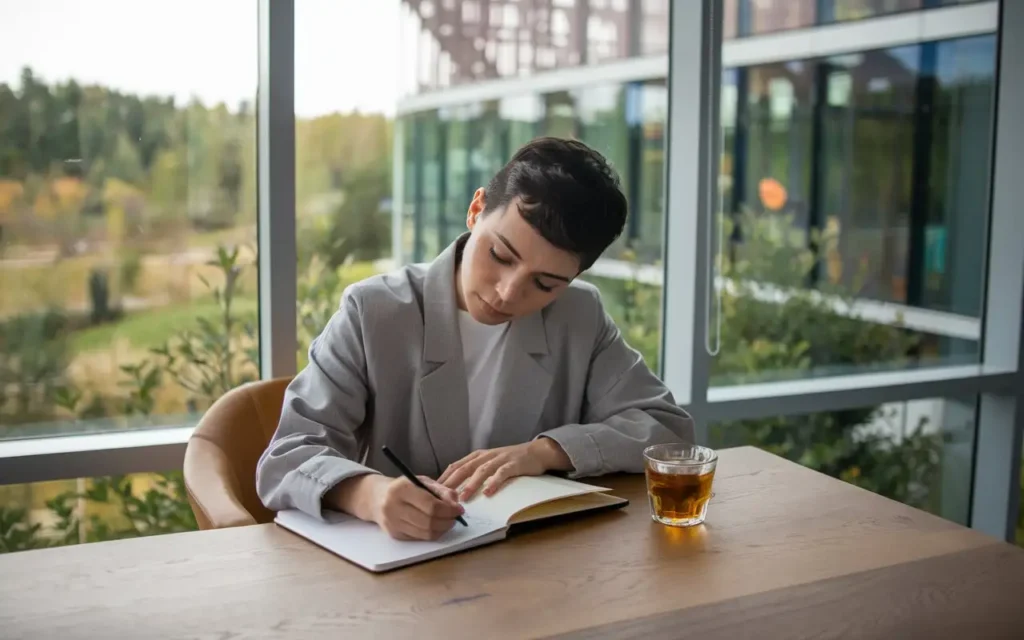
[(786, 553)]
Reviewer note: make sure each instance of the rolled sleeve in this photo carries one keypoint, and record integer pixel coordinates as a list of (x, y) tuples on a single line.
[(579, 445)]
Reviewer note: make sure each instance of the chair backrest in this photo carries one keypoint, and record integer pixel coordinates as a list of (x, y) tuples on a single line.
[(221, 456)]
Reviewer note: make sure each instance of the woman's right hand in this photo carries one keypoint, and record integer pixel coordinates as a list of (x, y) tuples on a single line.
[(402, 509), (407, 512)]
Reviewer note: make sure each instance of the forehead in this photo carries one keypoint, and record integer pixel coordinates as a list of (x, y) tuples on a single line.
[(532, 247)]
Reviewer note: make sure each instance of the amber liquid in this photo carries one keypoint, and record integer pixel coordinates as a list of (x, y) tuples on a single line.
[(679, 499)]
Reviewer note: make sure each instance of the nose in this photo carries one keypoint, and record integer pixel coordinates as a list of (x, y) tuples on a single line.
[(507, 290)]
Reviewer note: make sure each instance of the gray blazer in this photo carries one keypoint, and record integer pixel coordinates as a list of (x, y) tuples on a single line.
[(388, 370)]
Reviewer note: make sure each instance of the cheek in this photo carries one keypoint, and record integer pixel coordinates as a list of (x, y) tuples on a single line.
[(481, 269)]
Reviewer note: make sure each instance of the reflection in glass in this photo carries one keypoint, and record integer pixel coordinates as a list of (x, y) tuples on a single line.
[(863, 177), (767, 16), (844, 10), (868, 160), (952, 256), (918, 452), (456, 43)]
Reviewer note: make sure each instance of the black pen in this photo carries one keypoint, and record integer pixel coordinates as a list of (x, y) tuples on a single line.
[(412, 477)]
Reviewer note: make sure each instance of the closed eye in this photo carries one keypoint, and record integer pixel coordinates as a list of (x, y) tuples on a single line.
[(499, 259), (543, 287)]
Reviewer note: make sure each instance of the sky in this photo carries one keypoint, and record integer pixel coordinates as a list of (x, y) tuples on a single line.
[(346, 51)]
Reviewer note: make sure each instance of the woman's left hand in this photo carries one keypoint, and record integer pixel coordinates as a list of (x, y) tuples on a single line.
[(491, 468)]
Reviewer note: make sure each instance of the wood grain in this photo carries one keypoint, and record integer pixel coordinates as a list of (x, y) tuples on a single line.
[(969, 594), (773, 526)]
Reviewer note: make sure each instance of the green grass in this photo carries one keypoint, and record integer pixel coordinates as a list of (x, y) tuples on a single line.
[(227, 237), (151, 328)]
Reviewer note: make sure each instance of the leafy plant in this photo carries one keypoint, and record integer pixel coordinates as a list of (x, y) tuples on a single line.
[(206, 360), (773, 326), (16, 533), (209, 360), (163, 508), (33, 361)]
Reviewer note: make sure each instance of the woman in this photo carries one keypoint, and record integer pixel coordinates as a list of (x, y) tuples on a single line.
[(491, 362)]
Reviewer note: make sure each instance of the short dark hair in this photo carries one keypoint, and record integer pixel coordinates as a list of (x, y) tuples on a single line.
[(568, 192)]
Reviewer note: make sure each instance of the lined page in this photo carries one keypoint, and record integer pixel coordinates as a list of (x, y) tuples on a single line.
[(521, 493)]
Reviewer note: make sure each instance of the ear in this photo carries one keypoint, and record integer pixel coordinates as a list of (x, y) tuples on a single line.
[(476, 208)]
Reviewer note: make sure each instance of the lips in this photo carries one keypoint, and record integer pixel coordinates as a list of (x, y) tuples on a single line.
[(491, 309)]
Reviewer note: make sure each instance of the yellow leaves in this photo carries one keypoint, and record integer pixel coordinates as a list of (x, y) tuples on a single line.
[(11, 191), (70, 193), (44, 206), (62, 197), (119, 193)]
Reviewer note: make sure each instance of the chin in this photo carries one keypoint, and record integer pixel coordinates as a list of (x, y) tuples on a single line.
[(484, 314)]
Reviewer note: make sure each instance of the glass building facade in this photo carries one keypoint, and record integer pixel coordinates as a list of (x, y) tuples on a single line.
[(885, 148)]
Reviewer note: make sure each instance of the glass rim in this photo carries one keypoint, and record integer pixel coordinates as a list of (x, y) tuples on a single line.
[(681, 463)]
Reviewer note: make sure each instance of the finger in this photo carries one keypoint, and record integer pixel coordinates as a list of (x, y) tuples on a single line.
[(422, 527), (427, 504), (460, 475), (456, 465), (500, 477), (483, 472), (448, 495), (412, 518)]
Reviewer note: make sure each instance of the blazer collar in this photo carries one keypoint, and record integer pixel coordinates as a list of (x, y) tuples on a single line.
[(441, 309)]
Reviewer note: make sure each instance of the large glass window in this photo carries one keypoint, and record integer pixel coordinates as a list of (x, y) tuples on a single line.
[(62, 512), (919, 452), (767, 16), (859, 9), (127, 213), (345, 156), (454, 43), (451, 152), (851, 185)]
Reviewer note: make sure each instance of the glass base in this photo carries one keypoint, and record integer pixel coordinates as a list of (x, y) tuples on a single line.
[(678, 522)]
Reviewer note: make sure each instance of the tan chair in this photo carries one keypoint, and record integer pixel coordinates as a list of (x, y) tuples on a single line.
[(221, 456)]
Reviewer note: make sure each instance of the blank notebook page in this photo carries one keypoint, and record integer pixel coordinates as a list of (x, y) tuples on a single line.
[(367, 545), (521, 493)]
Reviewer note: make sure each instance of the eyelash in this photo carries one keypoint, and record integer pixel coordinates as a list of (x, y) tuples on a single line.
[(505, 262)]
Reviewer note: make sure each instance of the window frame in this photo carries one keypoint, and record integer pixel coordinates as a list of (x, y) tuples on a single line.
[(696, 57)]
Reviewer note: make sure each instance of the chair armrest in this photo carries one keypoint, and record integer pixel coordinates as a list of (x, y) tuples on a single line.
[(213, 486)]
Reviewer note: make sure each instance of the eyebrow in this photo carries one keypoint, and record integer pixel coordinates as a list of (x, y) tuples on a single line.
[(516, 254)]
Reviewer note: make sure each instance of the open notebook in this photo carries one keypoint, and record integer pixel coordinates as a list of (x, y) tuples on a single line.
[(523, 499)]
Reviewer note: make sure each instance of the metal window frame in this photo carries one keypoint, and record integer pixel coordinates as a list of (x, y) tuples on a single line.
[(996, 491), (275, 143), (998, 381)]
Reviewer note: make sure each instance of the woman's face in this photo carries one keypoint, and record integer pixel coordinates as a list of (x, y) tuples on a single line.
[(508, 269)]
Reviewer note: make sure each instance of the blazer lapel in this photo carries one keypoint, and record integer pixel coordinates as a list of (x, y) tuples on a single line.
[(524, 383), (444, 395)]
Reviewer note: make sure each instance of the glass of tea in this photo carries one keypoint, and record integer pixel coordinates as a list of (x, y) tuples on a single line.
[(679, 482)]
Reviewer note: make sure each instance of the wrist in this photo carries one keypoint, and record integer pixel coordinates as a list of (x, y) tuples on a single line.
[(550, 454), (357, 496)]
